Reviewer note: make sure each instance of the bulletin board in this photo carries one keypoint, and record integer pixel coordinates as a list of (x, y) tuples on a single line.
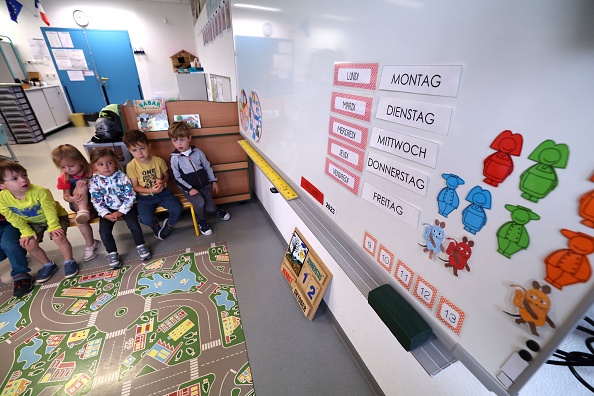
[(452, 143)]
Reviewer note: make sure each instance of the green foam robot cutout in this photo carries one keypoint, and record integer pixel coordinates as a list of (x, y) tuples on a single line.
[(539, 180), (512, 236)]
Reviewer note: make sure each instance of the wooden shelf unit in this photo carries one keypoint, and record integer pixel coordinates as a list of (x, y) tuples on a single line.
[(217, 138)]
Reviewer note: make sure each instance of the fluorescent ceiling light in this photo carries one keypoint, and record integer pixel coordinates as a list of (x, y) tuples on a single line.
[(256, 7)]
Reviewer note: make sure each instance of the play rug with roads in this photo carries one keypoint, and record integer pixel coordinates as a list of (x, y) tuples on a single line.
[(170, 326)]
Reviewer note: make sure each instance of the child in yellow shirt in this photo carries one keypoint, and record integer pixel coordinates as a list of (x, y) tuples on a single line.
[(32, 210)]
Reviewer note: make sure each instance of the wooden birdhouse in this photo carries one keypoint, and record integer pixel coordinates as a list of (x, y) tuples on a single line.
[(182, 60)]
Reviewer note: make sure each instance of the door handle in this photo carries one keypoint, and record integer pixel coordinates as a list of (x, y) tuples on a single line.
[(104, 79)]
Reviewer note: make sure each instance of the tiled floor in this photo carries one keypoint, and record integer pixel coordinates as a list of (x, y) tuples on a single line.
[(288, 354)]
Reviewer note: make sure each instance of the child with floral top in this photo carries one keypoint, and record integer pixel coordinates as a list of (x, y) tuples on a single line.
[(112, 196)]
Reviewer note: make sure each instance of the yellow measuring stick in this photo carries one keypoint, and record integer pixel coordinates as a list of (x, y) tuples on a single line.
[(286, 191)]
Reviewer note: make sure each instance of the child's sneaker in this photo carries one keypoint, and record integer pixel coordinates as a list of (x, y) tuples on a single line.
[(82, 216), (46, 272), (143, 252), (22, 287), (91, 251), (113, 260), (156, 230), (70, 269), (204, 228), (223, 214)]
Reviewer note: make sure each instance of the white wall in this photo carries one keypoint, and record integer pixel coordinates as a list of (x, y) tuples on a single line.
[(160, 28)]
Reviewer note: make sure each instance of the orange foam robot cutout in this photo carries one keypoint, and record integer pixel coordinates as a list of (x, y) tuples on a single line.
[(570, 266)]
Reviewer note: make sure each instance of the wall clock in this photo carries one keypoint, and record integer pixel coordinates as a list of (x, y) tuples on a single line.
[(80, 18)]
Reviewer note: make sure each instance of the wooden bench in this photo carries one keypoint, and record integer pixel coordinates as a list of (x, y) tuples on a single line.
[(184, 201)]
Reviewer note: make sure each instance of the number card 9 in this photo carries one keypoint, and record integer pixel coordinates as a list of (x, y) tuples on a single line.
[(369, 244), (450, 315), (425, 292)]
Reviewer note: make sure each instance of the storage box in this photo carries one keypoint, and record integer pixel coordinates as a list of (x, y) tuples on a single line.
[(119, 148)]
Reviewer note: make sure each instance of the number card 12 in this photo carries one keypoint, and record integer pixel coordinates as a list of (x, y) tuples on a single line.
[(306, 273), (425, 292)]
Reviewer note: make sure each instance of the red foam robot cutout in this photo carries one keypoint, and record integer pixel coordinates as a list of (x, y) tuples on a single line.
[(586, 209), (498, 166), (569, 266)]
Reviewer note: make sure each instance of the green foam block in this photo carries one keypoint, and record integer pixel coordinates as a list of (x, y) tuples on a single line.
[(404, 322)]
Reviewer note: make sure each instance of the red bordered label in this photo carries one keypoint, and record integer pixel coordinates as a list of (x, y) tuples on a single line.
[(349, 132), (312, 190), (349, 156), (385, 258), (354, 106), (356, 75), (345, 178), (369, 244), (404, 275), (425, 292), (450, 315)]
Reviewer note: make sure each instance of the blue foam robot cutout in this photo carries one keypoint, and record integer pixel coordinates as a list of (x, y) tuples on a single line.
[(474, 216), (447, 199)]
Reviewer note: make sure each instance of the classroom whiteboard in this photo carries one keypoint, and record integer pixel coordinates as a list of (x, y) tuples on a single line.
[(323, 81)]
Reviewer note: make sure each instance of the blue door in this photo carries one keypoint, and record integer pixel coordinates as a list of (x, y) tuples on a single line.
[(110, 76)]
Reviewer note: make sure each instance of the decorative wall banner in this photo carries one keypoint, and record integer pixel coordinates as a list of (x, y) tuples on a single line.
[(426, 116), (356, 75), (345, 178), (355, 106), (429, 80), (398, 173), (398, 208), (350, 156), (349, 132), (409, 147)]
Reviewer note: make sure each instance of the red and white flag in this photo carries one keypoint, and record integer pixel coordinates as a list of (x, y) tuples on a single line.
[(39, 8)]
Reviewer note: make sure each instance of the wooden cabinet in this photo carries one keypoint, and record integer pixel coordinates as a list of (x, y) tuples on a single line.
[(217, 138)]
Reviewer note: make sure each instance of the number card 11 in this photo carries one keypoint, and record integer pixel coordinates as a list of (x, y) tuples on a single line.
[(306, 273)]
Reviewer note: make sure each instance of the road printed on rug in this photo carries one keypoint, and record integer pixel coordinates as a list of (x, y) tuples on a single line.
[(168, 327)]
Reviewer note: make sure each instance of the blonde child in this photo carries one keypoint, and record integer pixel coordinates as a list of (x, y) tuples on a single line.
[(112, 195), (32, 210), (73, 182), (193, 174)]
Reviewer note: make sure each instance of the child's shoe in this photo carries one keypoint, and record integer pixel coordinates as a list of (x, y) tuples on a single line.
[(22, 287), (82, 216), (204, 228), (223, 214), (143, 252), (156, 230), (46, 272), (113, 260), (70, 269), (91, 251)]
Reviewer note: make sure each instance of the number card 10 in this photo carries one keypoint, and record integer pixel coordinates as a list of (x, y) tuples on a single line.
[(306, 273)]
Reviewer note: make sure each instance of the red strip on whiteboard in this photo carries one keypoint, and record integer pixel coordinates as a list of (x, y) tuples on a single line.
[(356, 75), (312, 190), (342, 176), (355, 106), (349, 132), (348, 155)]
